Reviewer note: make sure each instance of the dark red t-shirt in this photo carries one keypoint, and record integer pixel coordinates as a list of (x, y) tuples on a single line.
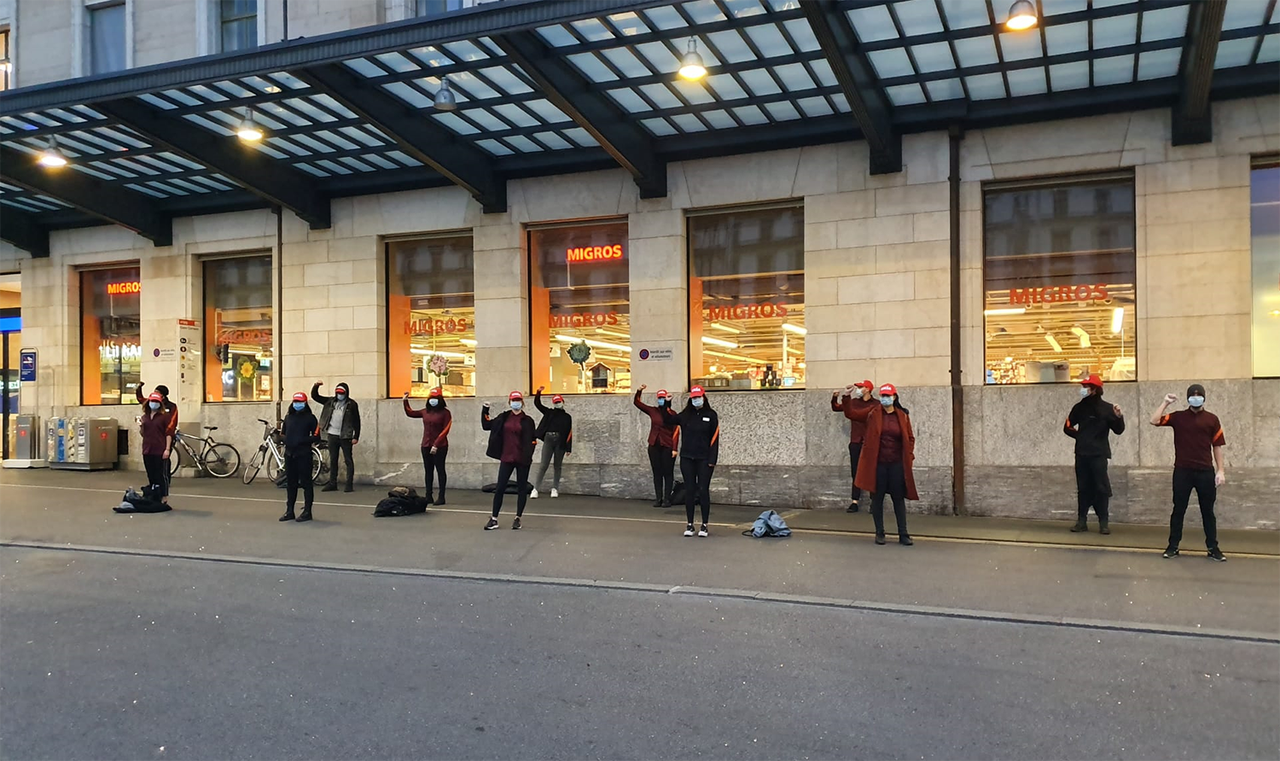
[(891, 438), (1195, 434), (511, 432)]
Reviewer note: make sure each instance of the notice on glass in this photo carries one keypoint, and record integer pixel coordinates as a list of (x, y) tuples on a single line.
[(189, 370), (657, 354)]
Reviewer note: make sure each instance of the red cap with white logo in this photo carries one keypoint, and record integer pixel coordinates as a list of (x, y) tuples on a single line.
[(888, 390), (697, 391), (557, 399), (434, 393), (299, 397), (515, 396), (662, 394)]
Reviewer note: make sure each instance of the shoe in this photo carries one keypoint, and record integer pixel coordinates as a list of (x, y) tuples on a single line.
[(1216, 554), (666, 502), (1080, 526), (657, 503), (905, 541), (879, 538), (439, 501), (304, 516), (330, 487), (555, 493), (1104, 528), (853, 507), (1170, 552), (533, 494), (288, 516), (349, 489), (515, 524), (491, 525), (703, 531), (688, 531)]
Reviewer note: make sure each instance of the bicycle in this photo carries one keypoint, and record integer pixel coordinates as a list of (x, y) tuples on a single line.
[(271, 455), (217, 459)]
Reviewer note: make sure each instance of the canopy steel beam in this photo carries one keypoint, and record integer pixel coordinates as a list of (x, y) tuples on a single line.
[(1192, 116), (572, 93), (416, 133), (22, 230), (104, 200), (867, 101), (255, 171)]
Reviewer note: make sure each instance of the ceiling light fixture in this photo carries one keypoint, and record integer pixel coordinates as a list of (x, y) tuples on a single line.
[(719, 342), (691, 66), (725, 328), (1005, 311), (51, 157), (1083, 335), (1022, 16), (1117, 319), (248, 130), (794, 329), (1053, 342), (445, 100), (593, 344)]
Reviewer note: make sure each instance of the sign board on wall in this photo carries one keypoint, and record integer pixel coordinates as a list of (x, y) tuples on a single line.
[(27, 363), (656, 354), (190, 378)]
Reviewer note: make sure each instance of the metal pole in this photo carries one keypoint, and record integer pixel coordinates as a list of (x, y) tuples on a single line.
[(957, 390), (284, 7), (278, 314)]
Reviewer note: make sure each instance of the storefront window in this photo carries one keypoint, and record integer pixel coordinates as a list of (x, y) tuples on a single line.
[(579, 314), (110, 335), (1265, 229), (746, 290), (1060, 281), (431, 317), (239, 357)]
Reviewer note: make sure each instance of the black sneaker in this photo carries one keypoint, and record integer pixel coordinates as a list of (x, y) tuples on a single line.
[(515, 524), (440, 501), (879, 538), (657, 503), (1216, 554), (288, 516), (1080, 526), (905, 541), (1170, 552), (703, 531), (491, 525), (853, 507), (1104, 529), (330, 487)]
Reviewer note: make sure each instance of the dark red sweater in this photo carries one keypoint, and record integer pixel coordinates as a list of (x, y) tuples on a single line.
[(436, 423), (658, 433)]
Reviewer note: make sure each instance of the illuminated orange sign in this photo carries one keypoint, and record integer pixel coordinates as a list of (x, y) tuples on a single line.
[(435, 327), (747, 311), (123, 289), (593, 253), (584, 319), (1058, 294)]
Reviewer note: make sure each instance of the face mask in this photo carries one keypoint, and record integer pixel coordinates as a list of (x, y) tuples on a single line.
[(558, 405), (154, 405), (1195, 401), (662, 402), (697, 402), (517, 405), (886, 401), (342, 397), (1084, 392), (299, 406), (434, 402)]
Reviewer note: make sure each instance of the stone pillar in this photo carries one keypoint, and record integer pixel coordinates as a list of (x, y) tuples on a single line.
[(659, 298), (502, 309)]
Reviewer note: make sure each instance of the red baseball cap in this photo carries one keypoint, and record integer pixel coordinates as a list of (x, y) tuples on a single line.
[(888, 389), (864, 384), (155, 397), (435, 392), (662, 394), (697, 391), (515, 396), (1092, 380), (557, 399), (299, 397)]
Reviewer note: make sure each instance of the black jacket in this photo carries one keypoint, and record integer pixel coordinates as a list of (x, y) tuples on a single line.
[(701, 429), (495, 427), (350, 419), (299, 430), (554, 421), (1089, 423)]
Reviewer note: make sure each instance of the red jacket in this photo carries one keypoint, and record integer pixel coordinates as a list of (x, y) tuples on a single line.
[(659, 433), (857, 428), (874, 418), (435, 424), (156, 432)]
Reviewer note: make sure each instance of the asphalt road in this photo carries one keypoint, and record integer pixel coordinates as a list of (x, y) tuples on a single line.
[(119, 657)]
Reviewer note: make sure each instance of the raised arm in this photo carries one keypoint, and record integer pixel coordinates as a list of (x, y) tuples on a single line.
[(315, 393), (485, 422), (409, 411), (639, 404), (537, 401), (137, 393), (860, 415), (1159, 417), (836, 406)]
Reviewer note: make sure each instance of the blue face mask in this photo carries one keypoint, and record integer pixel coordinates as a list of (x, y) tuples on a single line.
[(662, 402), (558, 405), (154, 405), (434, 402), (1084, 392), (341, 397), (1195, 401), (299, 406), (517, 405), (697, 402), (886, 401)]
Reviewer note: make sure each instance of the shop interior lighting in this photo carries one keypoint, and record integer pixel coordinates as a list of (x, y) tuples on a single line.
[(613, 333), (593, 344), (1022, 16), (445, 100), (691, 66), (1053, 342), (1083, 335), (1117, 319), (725, 328), (51, 157), (723, 355), (1005, 311), (794, 329), (468, 342), (248, 130), (429, 352), (719, 342)]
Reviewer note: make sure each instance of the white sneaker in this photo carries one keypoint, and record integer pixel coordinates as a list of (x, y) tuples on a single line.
[(533, 494), (555, 493), (702, 531), (689, 531)]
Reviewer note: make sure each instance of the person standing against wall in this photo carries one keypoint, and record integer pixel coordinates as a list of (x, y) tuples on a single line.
[(1090, 422), (663, 443), (699, 452), (299, 431), (1198, 463), (340, 425), (512, 439), (157, 443), (860, 397), (555, 431), (884, 467), (436, 422), (170, 409)]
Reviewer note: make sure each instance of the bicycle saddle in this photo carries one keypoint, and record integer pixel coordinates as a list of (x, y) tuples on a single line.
[(211, 427)]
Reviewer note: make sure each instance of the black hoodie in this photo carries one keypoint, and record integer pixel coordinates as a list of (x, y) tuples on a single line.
[(350, 418), (1093, 418), (701, 428), (554, 421), (299, 429)]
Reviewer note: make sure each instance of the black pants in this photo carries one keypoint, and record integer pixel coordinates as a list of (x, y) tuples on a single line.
[(336, 443), (521, 471), (157, 472), (891, 479), (663, 466), (431, 463), (297, 472), (697, 486), (1184, 480), (855, 454), (1093, 487)]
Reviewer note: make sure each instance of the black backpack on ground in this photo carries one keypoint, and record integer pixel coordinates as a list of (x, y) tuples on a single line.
[(402, 500), (148, 501), (512, 487)]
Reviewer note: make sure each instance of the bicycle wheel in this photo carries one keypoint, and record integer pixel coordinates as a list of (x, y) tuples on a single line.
[(221, 460), (175, 459), (273, 468), (319, 466), (255, 464)]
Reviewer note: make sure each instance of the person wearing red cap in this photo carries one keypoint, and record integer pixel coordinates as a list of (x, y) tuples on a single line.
[(1090, 423), (884, 467), (663, 444), (436, 423), (555, 431), (699, 452), (1198, 464), (340, 427), (512, 439), (859, 395), (299, 429), (157, 443)]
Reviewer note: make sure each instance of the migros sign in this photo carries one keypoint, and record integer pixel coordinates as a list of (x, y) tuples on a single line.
[(583, 254), (124, 289)]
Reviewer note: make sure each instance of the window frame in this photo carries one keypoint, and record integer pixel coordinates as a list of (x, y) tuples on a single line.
[(276, 323), (1256, 163), (222, 21), (89, 9), (6, 59), (80, 272), (1057, 181)]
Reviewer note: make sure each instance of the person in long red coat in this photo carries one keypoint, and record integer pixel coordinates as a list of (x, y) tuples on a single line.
[(887, 453)]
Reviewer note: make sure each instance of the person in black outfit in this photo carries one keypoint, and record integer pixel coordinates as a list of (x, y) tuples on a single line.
[(512, 439), (1089, 422), (299, 432), (699, 451), (555, 431), (340, 427)]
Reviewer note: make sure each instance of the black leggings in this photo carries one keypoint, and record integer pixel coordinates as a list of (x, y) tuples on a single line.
[(1093, 487), (891, 479), (432, 463), (663, 466), (157, 472), (521, 471), (855, 454), (697, 485), (297, 472)]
